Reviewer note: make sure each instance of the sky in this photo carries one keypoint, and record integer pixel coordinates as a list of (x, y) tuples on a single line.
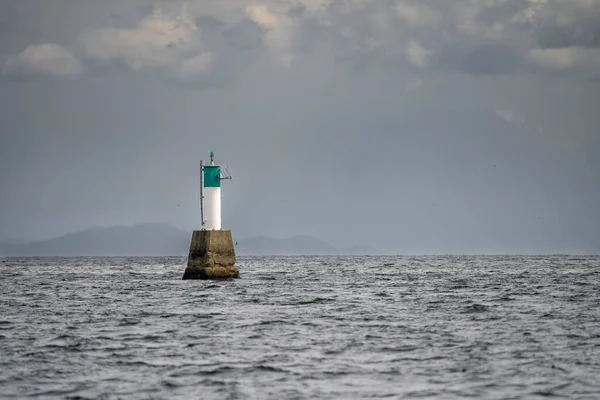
[(432, 126)]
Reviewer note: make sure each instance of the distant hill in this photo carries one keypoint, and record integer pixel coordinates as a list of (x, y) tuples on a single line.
[(144, 239), (153, 239), (296, 245)]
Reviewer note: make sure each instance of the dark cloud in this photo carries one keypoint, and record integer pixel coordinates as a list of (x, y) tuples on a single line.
[(210, 26), (474, 37), (584, 32), (245, 35)]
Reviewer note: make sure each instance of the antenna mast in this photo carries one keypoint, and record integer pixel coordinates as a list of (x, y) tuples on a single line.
[(201, 194)]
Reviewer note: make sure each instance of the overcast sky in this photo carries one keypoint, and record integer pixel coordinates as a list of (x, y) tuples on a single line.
[(425, 126)]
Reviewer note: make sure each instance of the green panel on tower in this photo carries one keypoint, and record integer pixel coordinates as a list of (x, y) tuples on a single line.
[(212, 176)]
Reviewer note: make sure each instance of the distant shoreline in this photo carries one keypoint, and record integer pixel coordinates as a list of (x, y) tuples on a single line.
[(162, 240)]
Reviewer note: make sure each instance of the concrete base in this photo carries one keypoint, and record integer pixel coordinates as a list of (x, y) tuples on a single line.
[(212, 256)]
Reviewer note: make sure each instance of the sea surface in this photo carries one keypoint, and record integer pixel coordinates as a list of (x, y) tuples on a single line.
[(443, 327)]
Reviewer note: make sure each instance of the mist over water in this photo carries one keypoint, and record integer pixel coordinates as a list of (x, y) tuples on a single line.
[(301, 327)]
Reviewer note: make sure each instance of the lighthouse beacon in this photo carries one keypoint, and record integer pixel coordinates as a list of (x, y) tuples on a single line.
[(212, 253), (210, 193)]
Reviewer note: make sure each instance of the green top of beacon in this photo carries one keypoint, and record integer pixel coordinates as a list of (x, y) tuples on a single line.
[(212, 173)]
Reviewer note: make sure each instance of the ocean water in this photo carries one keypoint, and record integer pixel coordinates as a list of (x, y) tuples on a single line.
[(301, 328)]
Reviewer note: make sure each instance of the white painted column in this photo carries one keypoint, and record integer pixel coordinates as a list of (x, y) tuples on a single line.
[(212, 206)]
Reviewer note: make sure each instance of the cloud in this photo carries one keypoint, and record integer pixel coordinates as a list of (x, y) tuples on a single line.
[(278, 27), (48, 59), (476, 37), (507, 115), (417, 54), (417, 14), (199, 65), (264, 17), (569, 58), (244, 35), (158, 42)]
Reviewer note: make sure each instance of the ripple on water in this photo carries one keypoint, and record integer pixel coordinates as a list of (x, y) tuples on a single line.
[(302, 327)]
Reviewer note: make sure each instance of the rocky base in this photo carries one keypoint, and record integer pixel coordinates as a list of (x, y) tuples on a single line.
[(215, 272), (212, 256)]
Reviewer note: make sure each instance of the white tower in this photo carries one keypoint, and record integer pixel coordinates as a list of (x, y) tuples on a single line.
[(210, 193)]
